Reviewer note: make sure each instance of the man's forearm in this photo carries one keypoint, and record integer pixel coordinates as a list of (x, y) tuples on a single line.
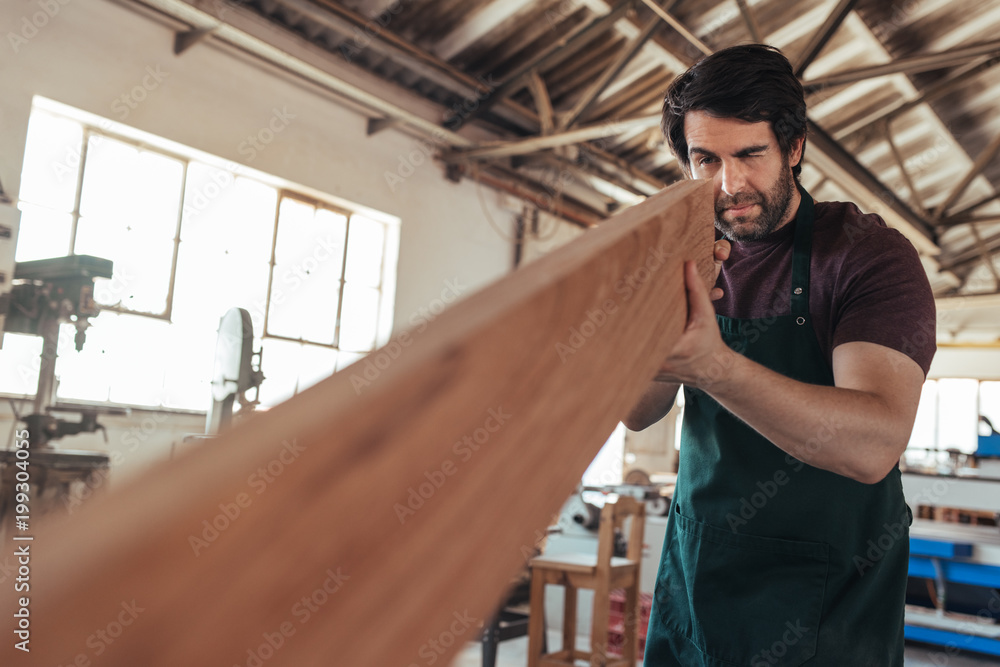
[(653, 405), (848, 432)]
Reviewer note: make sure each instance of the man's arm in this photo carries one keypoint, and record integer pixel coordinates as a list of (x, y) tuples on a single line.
[(857, 428), (653, 406)]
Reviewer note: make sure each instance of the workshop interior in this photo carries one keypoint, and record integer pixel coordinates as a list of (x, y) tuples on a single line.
[(208, 206)]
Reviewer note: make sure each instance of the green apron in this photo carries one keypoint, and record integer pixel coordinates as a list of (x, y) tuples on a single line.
[(769, 561)]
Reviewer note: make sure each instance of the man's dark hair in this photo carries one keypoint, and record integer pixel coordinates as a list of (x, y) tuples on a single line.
[(752, 82)]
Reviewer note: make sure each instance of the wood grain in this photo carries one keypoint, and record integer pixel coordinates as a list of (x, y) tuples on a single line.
[(492, 412)]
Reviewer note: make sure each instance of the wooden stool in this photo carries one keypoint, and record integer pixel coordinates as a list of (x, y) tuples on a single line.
[(602, 573)]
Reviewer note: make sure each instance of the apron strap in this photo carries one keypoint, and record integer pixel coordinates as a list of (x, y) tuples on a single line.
[(802, 253)]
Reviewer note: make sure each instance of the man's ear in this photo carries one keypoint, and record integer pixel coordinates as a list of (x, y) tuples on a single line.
[(795, 154)]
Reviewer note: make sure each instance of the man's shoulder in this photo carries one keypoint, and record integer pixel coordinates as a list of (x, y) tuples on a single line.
[(844, 228)]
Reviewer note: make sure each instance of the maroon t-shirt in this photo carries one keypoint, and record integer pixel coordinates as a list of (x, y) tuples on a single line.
[(866, 283)]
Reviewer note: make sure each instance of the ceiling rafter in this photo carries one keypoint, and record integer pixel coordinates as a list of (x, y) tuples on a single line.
[(823, 35), (611, 71), (565, 138), (516, 80), (751, 21), (678, 26), (923, 62), (982, 160), (960, 76)]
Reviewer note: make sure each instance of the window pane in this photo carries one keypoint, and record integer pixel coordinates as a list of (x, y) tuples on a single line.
[(129, 215), (359, 318), (121, 361), (280, 365), (364, 251), (223, 258), (19, 361), (925, 426), (85, 375), (141, 259), (190, 362), (957, 416), (51, 162), (219, 207), (305, 287), (42, 233)]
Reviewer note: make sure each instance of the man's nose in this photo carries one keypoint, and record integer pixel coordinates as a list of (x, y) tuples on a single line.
[(733, 178)]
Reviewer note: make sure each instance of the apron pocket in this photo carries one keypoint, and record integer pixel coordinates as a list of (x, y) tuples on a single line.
[(754, 601)]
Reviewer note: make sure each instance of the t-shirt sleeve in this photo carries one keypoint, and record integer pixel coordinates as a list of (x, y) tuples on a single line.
[(884, 297)]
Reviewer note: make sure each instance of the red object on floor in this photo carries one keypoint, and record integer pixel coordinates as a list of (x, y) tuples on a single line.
[(616, 621)]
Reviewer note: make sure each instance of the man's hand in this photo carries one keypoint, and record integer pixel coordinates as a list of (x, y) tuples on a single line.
[(700, 356), (721, 251), (659, 398)]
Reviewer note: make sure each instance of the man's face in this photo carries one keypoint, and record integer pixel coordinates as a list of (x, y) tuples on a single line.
[(755, 193)]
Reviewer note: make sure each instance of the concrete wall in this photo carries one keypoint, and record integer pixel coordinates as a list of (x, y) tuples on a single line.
[(92, 52)]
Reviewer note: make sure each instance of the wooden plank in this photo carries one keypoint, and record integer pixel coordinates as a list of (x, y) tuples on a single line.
[(377, 518)]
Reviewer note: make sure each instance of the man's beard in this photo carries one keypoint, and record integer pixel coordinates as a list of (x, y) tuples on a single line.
[(773, 204)]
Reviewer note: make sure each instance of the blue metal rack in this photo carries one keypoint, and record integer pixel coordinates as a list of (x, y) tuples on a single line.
[(941, 561)]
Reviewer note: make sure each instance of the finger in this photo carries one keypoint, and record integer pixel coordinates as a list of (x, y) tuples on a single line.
[(722, 249), (699, 303), (716, 294), (721, 254)]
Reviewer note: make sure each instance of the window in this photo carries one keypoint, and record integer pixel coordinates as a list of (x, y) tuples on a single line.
[(948, 417), (190, 237)]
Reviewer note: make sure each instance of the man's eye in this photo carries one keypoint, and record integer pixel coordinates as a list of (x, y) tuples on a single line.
[(706, 160)]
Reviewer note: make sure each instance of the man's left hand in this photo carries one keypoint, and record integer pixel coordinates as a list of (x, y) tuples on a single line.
[(700, 357)]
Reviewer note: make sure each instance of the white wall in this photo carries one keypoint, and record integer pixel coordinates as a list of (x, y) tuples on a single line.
[(92, 52), (980, 363)]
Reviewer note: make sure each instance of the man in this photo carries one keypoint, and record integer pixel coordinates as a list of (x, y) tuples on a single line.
[(787, 542)]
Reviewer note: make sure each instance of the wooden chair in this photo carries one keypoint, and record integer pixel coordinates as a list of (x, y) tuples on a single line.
[(602, 573)]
